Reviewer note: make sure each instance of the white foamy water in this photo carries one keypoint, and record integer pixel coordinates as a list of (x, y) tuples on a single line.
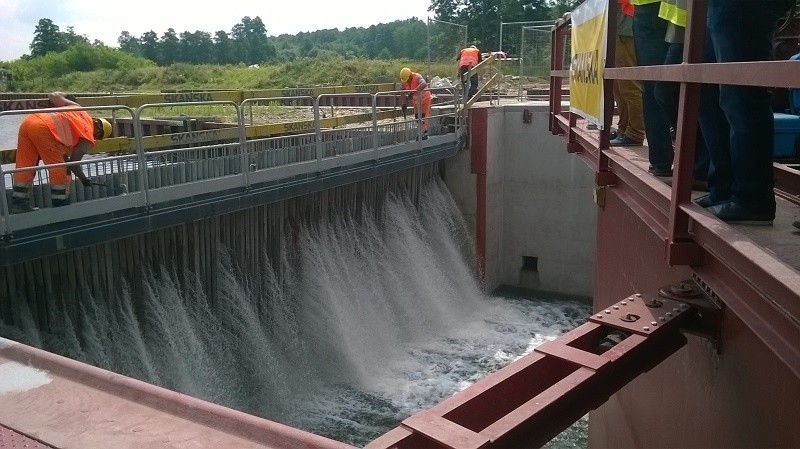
[(370, 321)]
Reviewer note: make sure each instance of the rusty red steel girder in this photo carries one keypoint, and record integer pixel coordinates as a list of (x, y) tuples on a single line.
[(530, 401)]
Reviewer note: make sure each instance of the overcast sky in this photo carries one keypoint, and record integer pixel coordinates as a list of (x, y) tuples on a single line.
[(105, 20)]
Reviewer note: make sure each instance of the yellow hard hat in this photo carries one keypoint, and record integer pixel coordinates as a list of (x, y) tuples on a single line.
[(102, 128), (405, 74)]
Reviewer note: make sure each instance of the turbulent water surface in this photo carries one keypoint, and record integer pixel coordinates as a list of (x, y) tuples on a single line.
[(369, 322)]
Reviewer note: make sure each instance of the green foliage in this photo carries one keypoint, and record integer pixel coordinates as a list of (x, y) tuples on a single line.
[(327, 70), (56, 69), (202, 60)]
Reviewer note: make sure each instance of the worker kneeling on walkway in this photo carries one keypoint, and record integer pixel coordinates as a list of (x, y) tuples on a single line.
[(54, 137), (421, 96)]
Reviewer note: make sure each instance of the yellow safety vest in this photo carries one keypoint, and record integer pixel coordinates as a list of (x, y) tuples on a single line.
[(643, 2), (673, 11)]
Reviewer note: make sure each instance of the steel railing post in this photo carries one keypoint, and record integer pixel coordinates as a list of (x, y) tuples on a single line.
[(318, 129), (4, 211), (243, 147), (374, 121), (139, 143)]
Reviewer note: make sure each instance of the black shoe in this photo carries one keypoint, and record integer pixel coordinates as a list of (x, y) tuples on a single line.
[(705, 201), (21, 208), (613, 134), (660, 172), (733, 213), (796, 224)]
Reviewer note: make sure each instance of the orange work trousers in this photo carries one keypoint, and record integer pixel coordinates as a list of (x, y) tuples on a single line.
[(424, 109), (36, 141)]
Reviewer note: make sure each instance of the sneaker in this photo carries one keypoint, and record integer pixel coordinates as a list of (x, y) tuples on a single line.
[(425, 135), (613, 134), (705, 201), (730, 212), (623, 140)]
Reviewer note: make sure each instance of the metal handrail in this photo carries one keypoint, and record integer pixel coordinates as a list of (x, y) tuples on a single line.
[(156, 164), (5, 212), (692, 237)]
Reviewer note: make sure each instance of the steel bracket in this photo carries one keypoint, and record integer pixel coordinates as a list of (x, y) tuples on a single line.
[(707, 321)]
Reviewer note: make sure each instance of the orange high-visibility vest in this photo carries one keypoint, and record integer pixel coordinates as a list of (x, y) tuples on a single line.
[(413, 82), (469, 57), (69, 127)]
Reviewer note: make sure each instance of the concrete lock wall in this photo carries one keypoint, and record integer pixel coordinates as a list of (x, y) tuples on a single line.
[(540, 217)]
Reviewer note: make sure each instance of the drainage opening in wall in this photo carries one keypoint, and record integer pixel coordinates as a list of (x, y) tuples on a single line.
[(530, 263), (529, 273)]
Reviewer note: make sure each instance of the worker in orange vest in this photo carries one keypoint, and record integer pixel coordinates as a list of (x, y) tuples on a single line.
[(420, 96), (54, 137), (467, 59)]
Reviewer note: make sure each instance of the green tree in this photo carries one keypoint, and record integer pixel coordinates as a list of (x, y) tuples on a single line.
[(70, 38), (196, 48), (251, 42), (46, 38), (150, 46), (224, 51), (129, 44), (482, 17), (170, 48)]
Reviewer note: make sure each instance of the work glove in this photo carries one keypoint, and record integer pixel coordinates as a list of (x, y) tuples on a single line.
[(87, 182)]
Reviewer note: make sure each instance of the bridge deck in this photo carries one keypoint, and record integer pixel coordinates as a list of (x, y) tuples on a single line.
[(59, 402)]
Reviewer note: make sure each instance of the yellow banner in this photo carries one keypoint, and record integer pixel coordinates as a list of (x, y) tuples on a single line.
[(588, 51)]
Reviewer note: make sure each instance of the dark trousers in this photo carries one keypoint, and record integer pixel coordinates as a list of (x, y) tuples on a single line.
[(473, 80), (667, 95), (743, 30), (648, 37)]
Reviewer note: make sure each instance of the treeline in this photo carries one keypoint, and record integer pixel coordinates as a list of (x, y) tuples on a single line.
[(248, 42)]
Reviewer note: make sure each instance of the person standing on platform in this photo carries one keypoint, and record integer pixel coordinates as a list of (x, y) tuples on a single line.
[(667, 93), (420, 97), (742, 191), (467, 59), (651, 49), (54, 137), (627, 93)]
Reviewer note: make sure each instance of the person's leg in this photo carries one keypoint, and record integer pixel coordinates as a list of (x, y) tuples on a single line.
[(667, 93), (716, 134), (648, 33), (27, 156), (629, 93), (59, 177), (426, 112), (622, 105), (461, 73), (473, 85), (748, 109)]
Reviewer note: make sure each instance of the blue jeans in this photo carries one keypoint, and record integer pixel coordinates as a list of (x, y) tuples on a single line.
[(742, 30), (667, 95), (716, 132), (648, 37)]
